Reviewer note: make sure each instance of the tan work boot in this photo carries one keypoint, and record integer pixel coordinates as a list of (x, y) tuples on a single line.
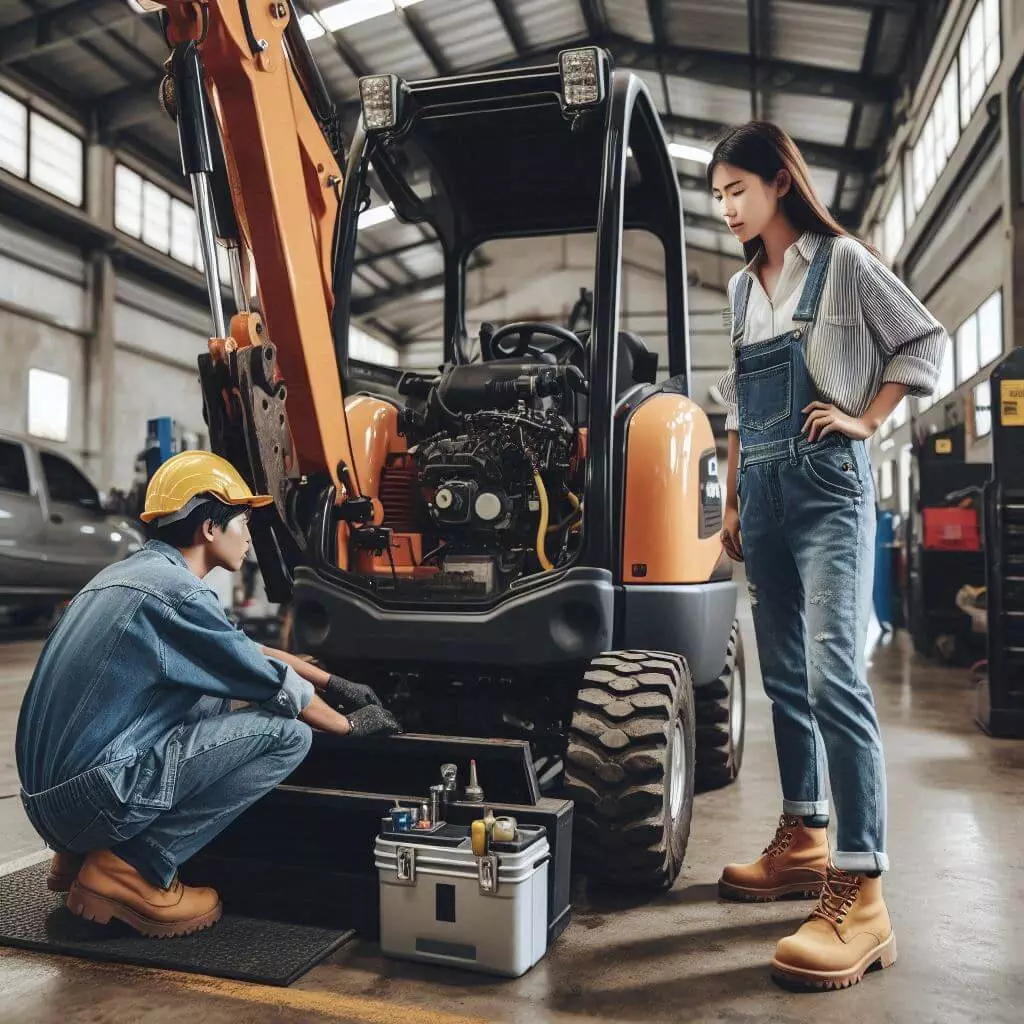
[(64, 868), (108, 887), (793, 865), (848, 933)]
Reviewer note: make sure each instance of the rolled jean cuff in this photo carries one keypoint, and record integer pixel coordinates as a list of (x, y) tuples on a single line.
[(860, 863), (805, 808)]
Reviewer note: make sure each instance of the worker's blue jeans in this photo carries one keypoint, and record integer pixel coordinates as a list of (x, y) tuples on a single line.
[(229, 759), (807, 517)]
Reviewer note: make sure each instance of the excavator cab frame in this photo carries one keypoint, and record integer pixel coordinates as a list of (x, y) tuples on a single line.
[(599, 169)]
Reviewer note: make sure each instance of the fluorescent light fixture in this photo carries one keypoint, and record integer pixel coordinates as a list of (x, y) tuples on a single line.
[(311, 27), (378, 215), (684, 151)]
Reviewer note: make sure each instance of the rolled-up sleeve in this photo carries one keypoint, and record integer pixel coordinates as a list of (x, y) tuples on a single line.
[(727, 383), (911, 341), (200, 649)]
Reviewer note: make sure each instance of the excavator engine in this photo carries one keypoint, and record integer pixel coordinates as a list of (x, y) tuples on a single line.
[(495, 449)]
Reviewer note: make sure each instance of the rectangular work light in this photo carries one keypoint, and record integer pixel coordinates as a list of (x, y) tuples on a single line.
[(380, 96), (583, 77)]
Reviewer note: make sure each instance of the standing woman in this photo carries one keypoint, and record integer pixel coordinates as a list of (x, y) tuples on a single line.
[(826, 343)]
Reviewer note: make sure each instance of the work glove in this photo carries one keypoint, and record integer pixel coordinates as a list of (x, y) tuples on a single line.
[(373, 720), (344, 695)]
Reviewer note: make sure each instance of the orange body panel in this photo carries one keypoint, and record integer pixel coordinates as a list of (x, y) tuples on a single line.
[(374, 430), (665, 440), (284, 182)]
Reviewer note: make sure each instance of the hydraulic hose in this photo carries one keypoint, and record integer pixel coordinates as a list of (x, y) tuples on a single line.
[(542, 526)]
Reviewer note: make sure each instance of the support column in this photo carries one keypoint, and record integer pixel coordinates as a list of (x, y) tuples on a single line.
[(100, 296), (1013, 140)]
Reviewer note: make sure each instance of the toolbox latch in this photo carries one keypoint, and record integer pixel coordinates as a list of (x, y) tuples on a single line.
[(487, 874), (405, 865)]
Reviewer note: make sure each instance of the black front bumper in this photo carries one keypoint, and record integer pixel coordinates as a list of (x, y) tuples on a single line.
[(568, 620)]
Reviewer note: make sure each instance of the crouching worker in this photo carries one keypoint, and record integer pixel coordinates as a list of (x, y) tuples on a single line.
[(130, 757)]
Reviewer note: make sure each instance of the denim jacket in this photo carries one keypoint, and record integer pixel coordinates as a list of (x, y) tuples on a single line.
[(132, 654)]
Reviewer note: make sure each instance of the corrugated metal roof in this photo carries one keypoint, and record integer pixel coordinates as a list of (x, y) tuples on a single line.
[(546, 22), (336, 73), (470, 33), (629, 18), (810, 117), (708, 24), (892, 42), (13, 11), (688, 98), (387, 46), (78, 71), (807, 33), (872, 117)]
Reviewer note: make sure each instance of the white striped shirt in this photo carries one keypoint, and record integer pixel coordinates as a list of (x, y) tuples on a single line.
[(870, 329)]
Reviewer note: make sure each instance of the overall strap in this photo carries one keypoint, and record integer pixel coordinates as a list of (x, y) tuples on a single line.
[(739, 308), (814, 285)]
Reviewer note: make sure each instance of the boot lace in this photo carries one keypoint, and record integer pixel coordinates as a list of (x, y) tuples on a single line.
[(783, 837), (838, 895)]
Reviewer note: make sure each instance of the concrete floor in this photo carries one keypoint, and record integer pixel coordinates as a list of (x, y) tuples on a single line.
[(956, 894)]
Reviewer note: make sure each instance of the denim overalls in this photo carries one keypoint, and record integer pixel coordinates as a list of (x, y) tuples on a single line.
[(807, 516)]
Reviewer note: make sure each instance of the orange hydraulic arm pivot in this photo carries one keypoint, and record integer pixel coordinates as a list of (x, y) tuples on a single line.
[(285, 183)]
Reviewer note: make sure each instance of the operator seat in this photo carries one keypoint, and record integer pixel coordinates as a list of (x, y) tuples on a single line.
[(635, 362)]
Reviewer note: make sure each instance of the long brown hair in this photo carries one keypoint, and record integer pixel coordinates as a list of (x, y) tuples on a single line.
[(764, 149)]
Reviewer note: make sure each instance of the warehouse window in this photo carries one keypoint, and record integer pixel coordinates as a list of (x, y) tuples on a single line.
[(368, 349), (983, 409), (150, 213), (127, 201), (979, 339), (156, 217), (55, 159), (990, 329), (937, 141), (183, 231), (13, 135), (946, 380), (48, 405), (980, 55), (34, 147), (967, 349), (893, 230), (13, 468)]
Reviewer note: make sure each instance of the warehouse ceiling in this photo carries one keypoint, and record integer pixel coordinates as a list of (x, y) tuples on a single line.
[(825, 70)]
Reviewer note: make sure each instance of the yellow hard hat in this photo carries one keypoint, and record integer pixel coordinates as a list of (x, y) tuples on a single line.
[(186, 477)]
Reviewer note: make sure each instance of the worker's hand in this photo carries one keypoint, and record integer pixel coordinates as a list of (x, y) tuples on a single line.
[(373, 720), (731, 539), (824, 419), (344, 695)]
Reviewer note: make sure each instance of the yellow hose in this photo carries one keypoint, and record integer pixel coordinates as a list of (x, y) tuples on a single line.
[(542, 525), (575, 502)]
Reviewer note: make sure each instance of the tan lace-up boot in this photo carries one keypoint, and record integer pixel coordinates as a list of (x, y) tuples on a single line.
[(793, 865), (847, 934), (64, 868), (108, 887)]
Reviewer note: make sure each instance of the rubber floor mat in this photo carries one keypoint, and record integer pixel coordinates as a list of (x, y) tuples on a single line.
[(242, 948)]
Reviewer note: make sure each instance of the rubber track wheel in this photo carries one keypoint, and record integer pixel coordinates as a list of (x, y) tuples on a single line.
[(718, 763), (617, 768)]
